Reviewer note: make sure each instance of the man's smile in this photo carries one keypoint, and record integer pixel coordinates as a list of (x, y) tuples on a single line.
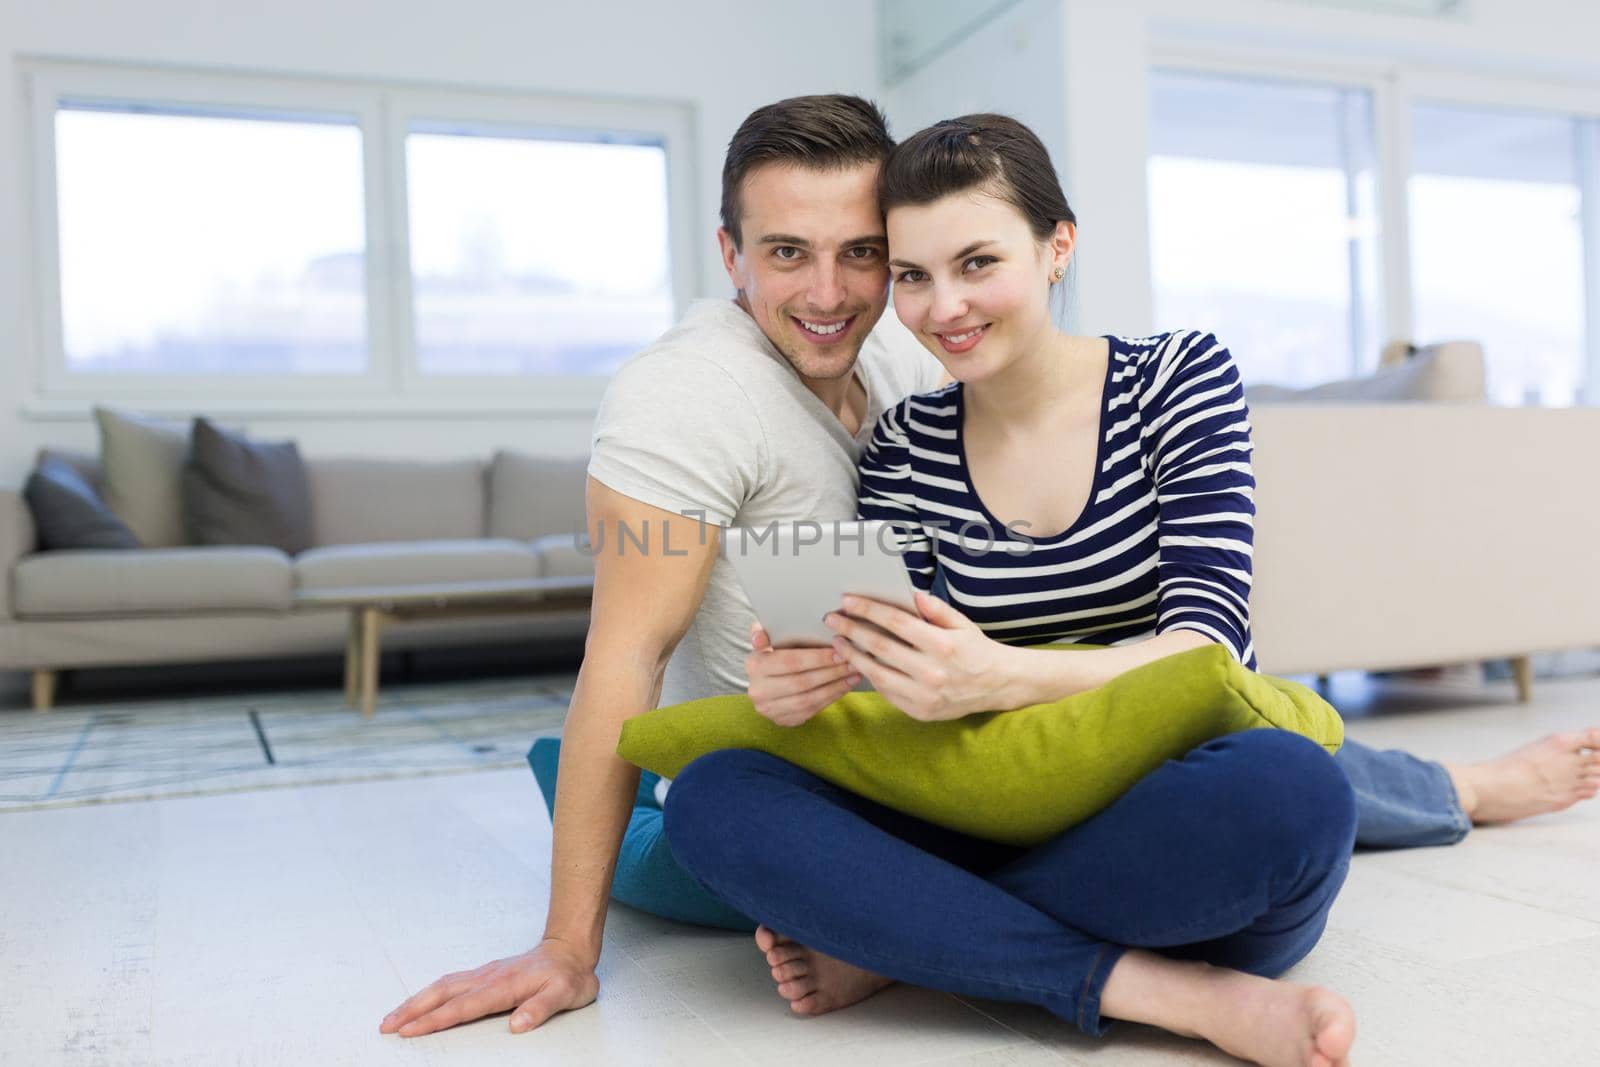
[(824, 331)]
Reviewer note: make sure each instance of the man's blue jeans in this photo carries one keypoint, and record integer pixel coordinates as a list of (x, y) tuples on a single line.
[(1232, 855), (1401, 801)]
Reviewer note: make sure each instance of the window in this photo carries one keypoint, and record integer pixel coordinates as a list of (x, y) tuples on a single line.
[(570, 281), (1490, 188), (1264, 222), (209, 244), (277, 237), (1496, 215)]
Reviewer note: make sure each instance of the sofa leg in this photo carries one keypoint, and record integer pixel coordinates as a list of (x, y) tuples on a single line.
[(1522, 671), (44, 690), (352, 662)]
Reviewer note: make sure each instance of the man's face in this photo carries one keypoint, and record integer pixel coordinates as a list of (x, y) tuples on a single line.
[(813, 271)]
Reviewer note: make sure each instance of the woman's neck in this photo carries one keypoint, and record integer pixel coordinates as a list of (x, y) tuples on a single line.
[(1030, 389)]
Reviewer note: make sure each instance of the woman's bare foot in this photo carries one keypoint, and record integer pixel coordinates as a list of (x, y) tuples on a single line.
[(1280, 1024), (1274, 1023), (814, 983), (1549, 775)]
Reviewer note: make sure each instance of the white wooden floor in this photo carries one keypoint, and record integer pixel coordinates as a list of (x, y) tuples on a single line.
[(278, 928)]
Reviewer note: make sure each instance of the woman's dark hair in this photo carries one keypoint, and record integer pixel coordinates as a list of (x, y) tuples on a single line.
[(821, 132), (991, 152)]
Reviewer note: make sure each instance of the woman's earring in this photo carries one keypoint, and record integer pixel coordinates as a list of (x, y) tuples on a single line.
[(1057, 274)]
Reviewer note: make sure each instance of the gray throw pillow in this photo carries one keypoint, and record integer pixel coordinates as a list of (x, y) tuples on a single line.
[(68, 513), (1448, 373), (242, 492), (537, 496), (142, 464)]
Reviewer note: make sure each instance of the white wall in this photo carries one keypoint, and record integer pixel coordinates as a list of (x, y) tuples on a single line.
[(723, 58), (1546, 39), (1075, 71), (1011, 65)]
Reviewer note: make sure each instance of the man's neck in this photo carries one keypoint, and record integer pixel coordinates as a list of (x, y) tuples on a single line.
[(846, 397)]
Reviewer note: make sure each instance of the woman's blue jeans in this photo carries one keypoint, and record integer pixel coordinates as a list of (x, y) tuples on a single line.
[(1232, 855), (1401, 801)]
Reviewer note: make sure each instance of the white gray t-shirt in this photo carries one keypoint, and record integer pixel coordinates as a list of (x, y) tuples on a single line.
[(713, 422)]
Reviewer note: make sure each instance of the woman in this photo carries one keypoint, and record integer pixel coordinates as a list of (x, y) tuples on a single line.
[(1126, 463)]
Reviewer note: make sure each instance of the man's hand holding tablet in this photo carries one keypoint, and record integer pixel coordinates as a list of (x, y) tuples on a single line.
[(789, 685)]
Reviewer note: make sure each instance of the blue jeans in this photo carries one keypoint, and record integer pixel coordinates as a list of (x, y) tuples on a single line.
[(1232, 855), (646, 877), (1401, 801)]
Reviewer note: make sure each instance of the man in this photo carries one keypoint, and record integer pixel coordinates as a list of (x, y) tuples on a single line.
[(746, 413)]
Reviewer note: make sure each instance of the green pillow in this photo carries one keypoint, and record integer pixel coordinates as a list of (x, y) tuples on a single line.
[(1019, 777)]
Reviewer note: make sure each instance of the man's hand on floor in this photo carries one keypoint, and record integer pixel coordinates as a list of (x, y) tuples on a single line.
[(537, 984)]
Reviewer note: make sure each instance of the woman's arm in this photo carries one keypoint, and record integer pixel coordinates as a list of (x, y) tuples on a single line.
[(1040, 675), (941, 666), (1197, 445)]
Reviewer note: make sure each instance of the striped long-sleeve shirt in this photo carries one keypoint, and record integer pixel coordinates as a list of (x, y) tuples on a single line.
[(1164, 542)]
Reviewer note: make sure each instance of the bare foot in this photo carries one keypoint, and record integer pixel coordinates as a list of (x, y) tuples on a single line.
[(811, 982), (1551, 774), (1279, 1024)]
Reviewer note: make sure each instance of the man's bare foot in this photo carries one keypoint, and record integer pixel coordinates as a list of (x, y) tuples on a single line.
[(1277, 1023), (814, 983), (1549, 775)]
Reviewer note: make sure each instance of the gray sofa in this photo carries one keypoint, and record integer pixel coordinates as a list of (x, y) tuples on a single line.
[(377, 522)]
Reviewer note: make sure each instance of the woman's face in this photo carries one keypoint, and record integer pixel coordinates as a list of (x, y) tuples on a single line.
[(972, 281)]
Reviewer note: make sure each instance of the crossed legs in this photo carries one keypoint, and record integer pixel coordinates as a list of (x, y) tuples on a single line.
[(1175, 906)]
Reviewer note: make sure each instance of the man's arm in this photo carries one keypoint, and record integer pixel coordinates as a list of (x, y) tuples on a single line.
[(644, 602)]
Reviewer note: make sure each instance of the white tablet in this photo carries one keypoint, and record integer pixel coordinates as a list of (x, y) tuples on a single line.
[(797, 572)]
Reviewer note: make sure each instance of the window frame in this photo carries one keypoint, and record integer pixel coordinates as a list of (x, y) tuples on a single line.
[(1396, 88), (383, 111)]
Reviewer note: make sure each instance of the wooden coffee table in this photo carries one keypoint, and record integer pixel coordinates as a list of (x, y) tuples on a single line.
[(373, 607)]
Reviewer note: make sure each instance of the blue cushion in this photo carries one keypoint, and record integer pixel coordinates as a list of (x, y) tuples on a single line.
[(648, 877)]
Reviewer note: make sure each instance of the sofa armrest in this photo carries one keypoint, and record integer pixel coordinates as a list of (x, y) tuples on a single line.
[(1403, 535), (17, 539)]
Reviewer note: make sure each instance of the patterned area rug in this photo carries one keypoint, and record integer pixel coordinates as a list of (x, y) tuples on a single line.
[(162, 748)]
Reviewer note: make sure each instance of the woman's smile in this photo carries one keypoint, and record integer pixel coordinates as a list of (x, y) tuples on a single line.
[(964, 339)]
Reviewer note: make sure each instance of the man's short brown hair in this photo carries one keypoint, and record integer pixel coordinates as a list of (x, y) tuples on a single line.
[(822, 132)]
